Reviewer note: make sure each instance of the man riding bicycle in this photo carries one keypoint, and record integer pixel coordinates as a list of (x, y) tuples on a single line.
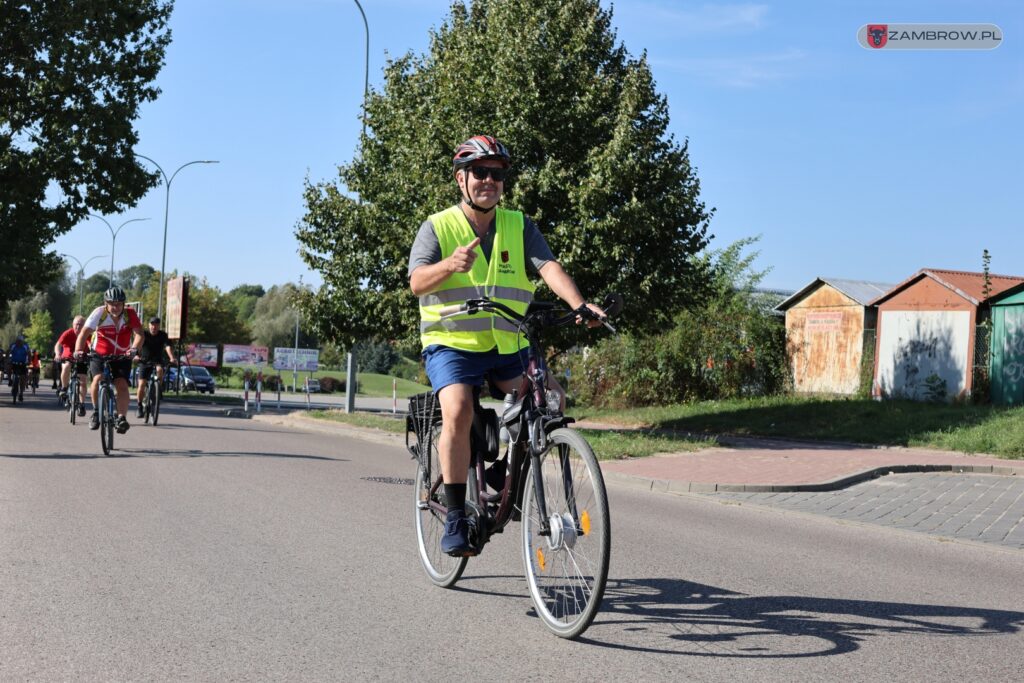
[(64, 349), (470, 250), (110, 330), (18, 357), (154, 345)]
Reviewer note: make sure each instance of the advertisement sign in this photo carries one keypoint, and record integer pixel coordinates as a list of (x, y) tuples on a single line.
[(177, 308), (285, 359), (242, 356), (202, 354)]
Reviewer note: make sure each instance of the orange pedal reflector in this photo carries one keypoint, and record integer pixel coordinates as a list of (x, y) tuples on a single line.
[(540, 559), (585, 522)]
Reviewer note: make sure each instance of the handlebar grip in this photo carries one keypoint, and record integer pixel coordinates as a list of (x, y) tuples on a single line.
[(454, 308)]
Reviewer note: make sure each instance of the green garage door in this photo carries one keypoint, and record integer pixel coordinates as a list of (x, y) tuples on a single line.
[(1008, 355)]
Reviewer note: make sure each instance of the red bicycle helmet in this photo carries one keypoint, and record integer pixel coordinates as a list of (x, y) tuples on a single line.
[(480, 147)]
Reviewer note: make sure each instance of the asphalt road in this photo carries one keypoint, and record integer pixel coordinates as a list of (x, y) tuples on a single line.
[(216, 548)]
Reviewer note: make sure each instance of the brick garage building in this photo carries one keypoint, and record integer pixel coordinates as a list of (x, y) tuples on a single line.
[(927, 333)]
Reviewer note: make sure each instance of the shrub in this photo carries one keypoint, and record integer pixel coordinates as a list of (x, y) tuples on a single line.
[(374, 356)]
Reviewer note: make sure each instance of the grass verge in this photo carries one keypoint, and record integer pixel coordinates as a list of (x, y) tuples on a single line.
[(965, 428)]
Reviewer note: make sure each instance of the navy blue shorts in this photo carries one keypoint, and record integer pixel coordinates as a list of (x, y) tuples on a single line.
[(446, 365)]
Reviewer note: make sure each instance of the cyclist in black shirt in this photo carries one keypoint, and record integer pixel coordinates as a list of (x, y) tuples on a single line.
[(154, 345)]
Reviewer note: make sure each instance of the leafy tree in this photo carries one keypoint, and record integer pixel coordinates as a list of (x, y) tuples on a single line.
[(613, 192), (210, 317), (136, 279), (377, 357), (243, 300), (273, 322), (39, 333), (74, 74)]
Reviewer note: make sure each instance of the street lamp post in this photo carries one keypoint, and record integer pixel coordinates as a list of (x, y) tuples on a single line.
[(81, 273), (167, 208), (113, 239), (366, 74)]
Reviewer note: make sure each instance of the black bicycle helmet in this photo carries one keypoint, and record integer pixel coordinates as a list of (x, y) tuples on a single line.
[(114, 294), (480, 147)]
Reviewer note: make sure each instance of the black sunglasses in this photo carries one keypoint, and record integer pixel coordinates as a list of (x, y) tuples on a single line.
[(481, 173)]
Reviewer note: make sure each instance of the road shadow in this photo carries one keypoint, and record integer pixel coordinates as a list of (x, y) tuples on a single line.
[(704, 621), (199, 453)]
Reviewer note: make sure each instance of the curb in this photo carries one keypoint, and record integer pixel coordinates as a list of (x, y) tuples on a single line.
[(677, 486)]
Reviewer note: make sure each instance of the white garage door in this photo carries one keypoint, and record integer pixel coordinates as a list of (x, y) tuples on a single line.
[(923, 353)]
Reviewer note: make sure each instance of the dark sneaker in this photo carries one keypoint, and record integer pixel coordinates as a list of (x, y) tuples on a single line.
[(140, 412), (94, 421), (121, 424), (455, 541), (81, 410)]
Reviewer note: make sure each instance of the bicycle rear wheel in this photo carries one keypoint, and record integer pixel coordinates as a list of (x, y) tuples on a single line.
[(567, 570), (442, 569), (106, 421)]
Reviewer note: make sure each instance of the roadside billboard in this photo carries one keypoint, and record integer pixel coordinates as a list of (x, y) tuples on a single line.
[(202, 354), (243, 356), (177, 308), (307, 359)]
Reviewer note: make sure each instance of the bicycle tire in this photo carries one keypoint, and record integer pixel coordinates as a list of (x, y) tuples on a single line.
[(73, 399), (154, 402), (443, 570), (106, 420), (566, 571)]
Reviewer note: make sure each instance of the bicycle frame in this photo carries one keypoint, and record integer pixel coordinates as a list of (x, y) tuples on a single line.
[(536, 420)]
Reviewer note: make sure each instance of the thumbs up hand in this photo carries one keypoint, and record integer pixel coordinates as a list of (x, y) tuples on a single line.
[(461, 260)]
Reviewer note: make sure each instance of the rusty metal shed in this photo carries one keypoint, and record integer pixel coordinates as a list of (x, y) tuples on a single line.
[(1007, 347), (927, 328), (826, 323)]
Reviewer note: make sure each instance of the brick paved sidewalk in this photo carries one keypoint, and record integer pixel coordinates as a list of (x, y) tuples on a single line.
[(757, 465)]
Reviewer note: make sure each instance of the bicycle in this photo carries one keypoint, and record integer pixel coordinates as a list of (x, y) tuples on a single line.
[(106, 401), (18, 375), (73, 398), (548, 478), (154, 395)]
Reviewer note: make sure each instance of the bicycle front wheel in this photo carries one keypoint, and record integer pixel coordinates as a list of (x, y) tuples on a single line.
[(154, 401), (106, 421), (442, 569), (567, 569), (73, 401)]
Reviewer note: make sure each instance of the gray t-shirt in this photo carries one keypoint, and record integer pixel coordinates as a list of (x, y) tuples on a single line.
[(426, 249)]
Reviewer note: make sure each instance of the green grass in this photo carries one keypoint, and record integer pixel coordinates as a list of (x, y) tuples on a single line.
[(646, 431), (370, 384), (374, 420), (607, 444), (967, 428)]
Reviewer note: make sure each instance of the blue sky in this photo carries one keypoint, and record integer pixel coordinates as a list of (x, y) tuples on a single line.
[(849, 163)]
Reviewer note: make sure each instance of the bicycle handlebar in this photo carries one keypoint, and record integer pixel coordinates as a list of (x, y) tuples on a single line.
[(612, 304)]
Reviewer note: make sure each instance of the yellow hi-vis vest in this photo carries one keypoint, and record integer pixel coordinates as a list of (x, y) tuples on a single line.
[(503, 279)]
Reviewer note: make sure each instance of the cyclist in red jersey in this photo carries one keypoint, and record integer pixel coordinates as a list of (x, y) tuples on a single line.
[(64, 351), (111, 330)]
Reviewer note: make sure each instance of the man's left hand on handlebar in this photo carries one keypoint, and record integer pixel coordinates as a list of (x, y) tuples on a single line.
[(595, 316)]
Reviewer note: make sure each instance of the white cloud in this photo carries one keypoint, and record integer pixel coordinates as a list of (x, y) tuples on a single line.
[(739, 72)]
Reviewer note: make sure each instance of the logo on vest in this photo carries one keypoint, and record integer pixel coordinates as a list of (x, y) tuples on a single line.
[(504, 256)]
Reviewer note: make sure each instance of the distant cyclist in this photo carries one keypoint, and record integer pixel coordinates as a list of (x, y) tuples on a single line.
[(155, 345), (18, 357), (64, 349), (111, 330)]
